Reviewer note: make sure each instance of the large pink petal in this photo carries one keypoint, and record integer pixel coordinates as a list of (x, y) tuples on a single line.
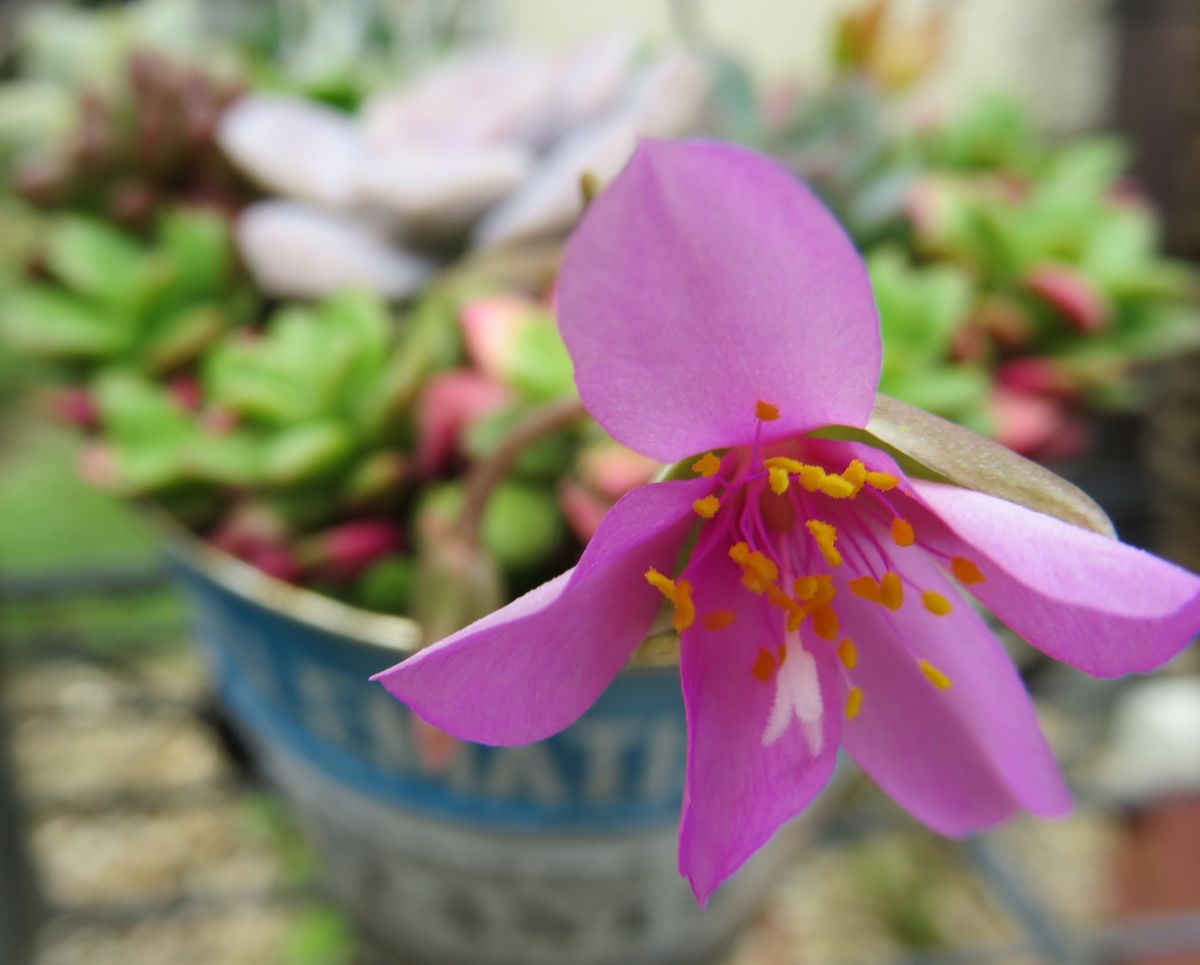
[(958, 759), (706, 278), (530, 669), (739, 791), (1099, 605)]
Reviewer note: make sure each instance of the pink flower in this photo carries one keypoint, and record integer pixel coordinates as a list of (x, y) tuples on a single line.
[(712, 306)]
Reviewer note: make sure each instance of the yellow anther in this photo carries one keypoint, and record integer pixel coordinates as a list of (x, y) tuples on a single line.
[(707, 465), (935, 603), (779, 480), (707, 507), (892, 591), (793, 466), (936, 677), (902, 532), (825, 622), (826, 537), (796, 618), (665, 585), (848, 653), (811, 477), (763, 567), (826, 591), (888, 593), (766, 411), (855, 474), (740, 552), (805, 587), (883, 481), (718, 619), (854, 699), (867, 588), (685, 609), (837, 487), (764, 665), (966, 571)]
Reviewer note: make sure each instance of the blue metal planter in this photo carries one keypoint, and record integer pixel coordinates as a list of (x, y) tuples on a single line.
[(560, 853)]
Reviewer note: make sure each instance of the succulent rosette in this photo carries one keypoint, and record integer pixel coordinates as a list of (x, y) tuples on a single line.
[(716, 313)]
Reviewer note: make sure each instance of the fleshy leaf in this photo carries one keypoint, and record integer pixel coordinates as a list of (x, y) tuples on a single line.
[(950, 453)]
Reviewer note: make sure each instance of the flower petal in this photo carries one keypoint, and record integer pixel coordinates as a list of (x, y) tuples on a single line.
[(530, 669), (706, 278), (1099, 605), (739, 790), (957, 759)]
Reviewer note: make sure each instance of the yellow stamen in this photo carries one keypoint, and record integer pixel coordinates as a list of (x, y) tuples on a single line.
[(796, 618), (811, 477), (837, 487), (966, 571), (825, 589), (826, 537), (766, 411), (825, 622), (848, 653), (793, 466), (779, 481), (935, 603), (718, 619), (707, 465), (854, 701), (892, 591), (867, 588), (936, 677), (855, 474), (764, 665), (740, 552), (685, 609), (707, 507), (665, 585), (902, 532), (883, 481)]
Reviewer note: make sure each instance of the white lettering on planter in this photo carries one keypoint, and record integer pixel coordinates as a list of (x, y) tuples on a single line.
[(660, 769), (391, 734), (605, 744), (525, 772), (324, 700)]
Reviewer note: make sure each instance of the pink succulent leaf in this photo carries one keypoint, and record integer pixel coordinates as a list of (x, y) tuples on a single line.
[(532, 668), (705, 279), (1074, 294), (961, 758), (449, 405), (754, 762), (491, 328), (1097, 604)]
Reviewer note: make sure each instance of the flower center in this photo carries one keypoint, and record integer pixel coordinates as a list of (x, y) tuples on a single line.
[(799, 532)]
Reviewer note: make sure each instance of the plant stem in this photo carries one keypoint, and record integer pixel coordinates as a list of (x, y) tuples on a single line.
[(486, 475)]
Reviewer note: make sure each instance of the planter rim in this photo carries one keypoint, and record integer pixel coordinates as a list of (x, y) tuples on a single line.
[(397, 633), (401, 635)]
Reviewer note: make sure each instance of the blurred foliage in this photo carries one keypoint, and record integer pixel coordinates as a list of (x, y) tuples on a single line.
[(1020, 282), (98, 298)]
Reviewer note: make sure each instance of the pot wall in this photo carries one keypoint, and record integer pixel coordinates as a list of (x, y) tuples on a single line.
[(557, 852)]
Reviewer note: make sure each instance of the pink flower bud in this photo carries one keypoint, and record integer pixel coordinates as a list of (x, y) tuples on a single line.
[(491, 327), (1036, 375), (612, 470)]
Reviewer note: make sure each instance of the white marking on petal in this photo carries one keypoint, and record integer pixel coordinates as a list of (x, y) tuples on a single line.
[(797, 695)]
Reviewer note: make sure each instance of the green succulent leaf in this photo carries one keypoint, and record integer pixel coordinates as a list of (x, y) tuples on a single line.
[(521, 525), (181, 337), (306, 452), (50, 323), (94, 259)]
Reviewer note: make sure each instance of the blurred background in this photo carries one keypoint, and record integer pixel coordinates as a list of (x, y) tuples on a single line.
[(276, 299)]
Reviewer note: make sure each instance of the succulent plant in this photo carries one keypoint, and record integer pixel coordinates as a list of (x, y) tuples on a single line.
[(100, 298), (146, 143)]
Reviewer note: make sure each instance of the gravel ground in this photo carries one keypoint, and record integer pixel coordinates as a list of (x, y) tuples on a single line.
[(154, 852)]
